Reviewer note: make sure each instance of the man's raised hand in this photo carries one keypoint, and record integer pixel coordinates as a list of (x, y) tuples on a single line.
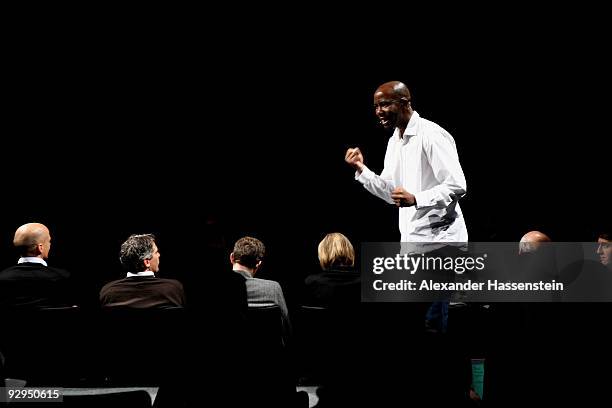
[(354, 157)]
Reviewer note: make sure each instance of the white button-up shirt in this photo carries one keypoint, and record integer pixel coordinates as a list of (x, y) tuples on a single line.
[(424, 162)]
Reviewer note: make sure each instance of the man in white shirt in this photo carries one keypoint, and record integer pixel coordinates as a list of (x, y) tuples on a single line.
[(421, 175)]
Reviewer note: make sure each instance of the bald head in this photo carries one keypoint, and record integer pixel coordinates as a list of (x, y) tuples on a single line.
[(530, 242), (394, 89), (33, 239), (392, 105)]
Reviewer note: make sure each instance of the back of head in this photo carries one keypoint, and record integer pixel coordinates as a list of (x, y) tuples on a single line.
[(28, 237), (135, 250), (335, 250), (248, 251), (531, 242), (537, 257)]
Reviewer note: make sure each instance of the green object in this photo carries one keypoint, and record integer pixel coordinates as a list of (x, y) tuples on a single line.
[(478, 369)]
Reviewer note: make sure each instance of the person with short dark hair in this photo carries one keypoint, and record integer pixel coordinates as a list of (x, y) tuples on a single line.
[(604, 249), (278, 389), (142, 288), (246, 259)]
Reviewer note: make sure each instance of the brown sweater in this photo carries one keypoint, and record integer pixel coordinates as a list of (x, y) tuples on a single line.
[(143, 292)]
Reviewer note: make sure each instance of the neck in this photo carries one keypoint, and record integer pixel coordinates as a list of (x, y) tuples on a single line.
[(402, 127), (240, 267)]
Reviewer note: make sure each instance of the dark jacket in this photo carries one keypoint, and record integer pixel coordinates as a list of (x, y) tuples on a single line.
[(29, 286), (338, 286)]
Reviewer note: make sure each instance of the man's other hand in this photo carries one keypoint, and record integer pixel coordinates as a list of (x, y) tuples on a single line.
[(403, 198)]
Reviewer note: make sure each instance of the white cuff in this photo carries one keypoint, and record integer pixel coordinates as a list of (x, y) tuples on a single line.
[(365, 175)]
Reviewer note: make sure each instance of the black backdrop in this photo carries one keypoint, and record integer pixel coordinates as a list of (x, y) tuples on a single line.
[(108, 135)]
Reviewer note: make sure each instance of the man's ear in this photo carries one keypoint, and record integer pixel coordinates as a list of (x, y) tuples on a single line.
[(258, 265), (232, 258), (147, 263), (39, 249)]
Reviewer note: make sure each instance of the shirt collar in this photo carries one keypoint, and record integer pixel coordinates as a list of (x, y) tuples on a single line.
[(243, 272), (411, 127), (31, 259), (143, 273)]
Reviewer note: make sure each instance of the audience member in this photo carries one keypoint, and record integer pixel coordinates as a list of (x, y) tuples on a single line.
[(604, 249), (536, 259), (531, 242), (330, 350), (277, 388), (535, 315), (32, 284), (338, 283), (142, 288), (246, 259)]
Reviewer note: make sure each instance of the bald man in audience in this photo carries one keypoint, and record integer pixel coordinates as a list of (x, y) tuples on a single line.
[(32, 283), (537, 257), (531, 242)]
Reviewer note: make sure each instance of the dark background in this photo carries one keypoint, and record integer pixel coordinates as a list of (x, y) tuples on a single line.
[(192, 135)]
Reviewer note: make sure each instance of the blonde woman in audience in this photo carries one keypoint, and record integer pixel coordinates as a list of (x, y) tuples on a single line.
[(338, 282)]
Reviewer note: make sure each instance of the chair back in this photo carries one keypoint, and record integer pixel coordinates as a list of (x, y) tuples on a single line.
[(42, 346), (141, 347), (264, 328), (273, 385)]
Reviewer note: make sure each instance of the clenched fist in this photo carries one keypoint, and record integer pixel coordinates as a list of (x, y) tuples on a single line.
[(354, 157)]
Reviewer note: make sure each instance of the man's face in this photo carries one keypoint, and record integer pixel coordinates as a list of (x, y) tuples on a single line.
[(604, 250), (45, 246), (388, 109), (154, 261)]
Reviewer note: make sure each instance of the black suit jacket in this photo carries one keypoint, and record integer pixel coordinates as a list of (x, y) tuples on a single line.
[(28, 286)]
